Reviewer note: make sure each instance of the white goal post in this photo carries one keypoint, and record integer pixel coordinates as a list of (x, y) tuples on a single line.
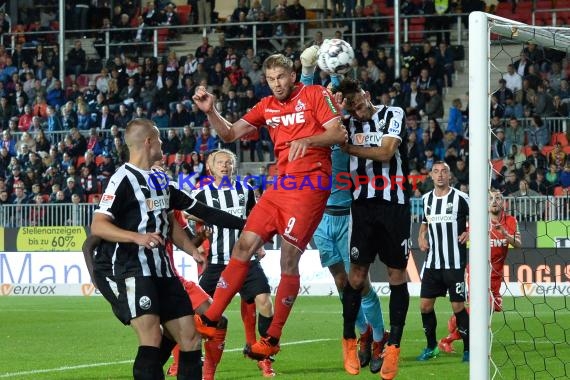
[(480, 25)]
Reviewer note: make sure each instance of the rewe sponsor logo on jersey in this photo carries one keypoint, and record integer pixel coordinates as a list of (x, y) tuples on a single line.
[(287, 119), (440, 218), (498, 242), (367, 138), (156, 203)]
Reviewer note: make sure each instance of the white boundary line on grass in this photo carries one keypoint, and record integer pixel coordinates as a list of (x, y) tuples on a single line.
[(105, 364)]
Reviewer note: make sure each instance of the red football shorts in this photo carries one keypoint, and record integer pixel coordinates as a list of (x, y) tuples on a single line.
[(197, 295), (292, 213)]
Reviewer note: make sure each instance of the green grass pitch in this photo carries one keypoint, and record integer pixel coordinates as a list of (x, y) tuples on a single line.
[(79, 338)]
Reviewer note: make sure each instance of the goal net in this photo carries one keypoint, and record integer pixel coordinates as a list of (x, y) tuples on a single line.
[(529, 338)]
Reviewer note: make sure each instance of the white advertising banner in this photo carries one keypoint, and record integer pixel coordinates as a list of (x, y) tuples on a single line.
[(65, 274)]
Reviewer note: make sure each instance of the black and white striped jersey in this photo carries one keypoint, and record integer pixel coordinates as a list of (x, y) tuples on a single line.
[(139, 201), (236, 200), (446, 218), (375, 179)]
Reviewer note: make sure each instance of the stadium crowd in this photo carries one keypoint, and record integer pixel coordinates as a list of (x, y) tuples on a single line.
[(64, 140)]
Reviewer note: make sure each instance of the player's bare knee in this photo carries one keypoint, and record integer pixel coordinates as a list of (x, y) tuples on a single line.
[(264, 305), (426, 305), (397, 276)]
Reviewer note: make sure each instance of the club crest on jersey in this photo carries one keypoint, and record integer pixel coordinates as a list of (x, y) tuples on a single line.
[(300, 106), (241, 199), (144, 303), (449, 208), (367, 138), (156, 203)]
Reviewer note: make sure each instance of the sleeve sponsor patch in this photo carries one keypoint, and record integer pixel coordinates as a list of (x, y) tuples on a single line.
[(107, 200)]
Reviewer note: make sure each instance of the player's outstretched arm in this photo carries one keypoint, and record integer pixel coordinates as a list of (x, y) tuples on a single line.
[(227, 131)]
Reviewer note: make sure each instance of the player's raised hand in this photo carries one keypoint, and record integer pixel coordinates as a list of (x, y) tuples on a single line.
[(203, 99)]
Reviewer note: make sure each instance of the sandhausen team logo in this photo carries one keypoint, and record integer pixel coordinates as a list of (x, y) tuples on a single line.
[(145, 303), (354, 253)]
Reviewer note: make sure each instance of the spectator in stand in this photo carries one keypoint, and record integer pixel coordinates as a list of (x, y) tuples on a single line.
[(88, 179), (105, 119), (434, 106), (552, 176), (511, 184), (105, 169), (56, 96), (197, 167), (413, 151), (76, 60), (176, 166), (94, 146), (294, 12), (565, 177), (197, 117), (538, 133), (169, 95), (129, 95), (205, 141), (517, 156), (537, 159), (78, 144), (188, 140), (123, 116), (84, 120), (148, 95), (25, 120), (513, 80), (161, 118), (180, 117), (172, 143), (91, 92), (73, 188), (564, 91), (503, 92), (455, 118), (539, 183), (202, 50), (461, 171), (559, 108), (53, 120), (500, 149), (42, 142), (515, 134), (544, 105), (557, 157)]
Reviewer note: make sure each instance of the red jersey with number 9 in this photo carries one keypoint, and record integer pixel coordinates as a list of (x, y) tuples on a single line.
[(302, 115)]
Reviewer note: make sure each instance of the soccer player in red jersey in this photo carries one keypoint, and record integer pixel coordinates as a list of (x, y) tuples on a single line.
[(303, 122), (503, 231)]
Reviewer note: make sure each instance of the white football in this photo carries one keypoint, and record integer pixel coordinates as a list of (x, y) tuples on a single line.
[(335, 56)]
